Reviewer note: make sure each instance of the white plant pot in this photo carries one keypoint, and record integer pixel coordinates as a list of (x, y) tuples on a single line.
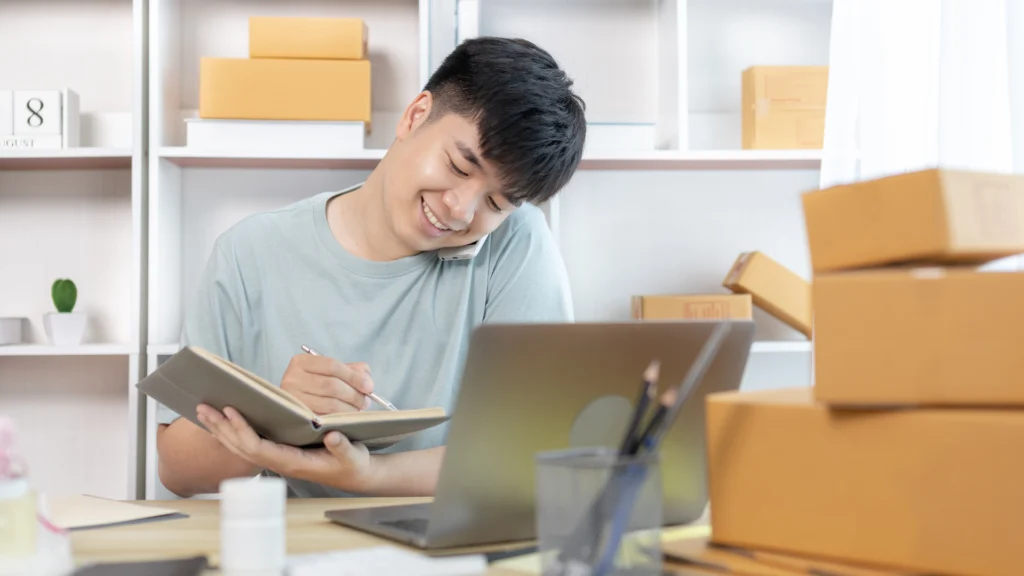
[(64, 328)]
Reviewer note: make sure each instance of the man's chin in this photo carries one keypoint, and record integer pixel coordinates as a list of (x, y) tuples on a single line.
[(423, 244)]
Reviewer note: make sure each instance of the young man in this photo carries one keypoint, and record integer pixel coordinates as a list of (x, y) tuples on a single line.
[(355, 275)]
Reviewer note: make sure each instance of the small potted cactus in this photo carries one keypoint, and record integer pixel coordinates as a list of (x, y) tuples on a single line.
[(64, 327)]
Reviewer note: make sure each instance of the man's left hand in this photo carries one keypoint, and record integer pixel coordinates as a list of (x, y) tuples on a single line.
[(342, 464)]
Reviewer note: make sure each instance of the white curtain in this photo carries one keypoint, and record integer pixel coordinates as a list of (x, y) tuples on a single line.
[(922, 83)]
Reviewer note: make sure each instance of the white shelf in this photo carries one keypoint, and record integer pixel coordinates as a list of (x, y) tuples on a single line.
[(704, 160), (80, 350), (66, 159), (186, 158), (781, 346), (618, 160)]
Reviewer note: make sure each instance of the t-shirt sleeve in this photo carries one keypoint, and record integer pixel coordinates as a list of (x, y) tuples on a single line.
[(528, 281), (214, 319)]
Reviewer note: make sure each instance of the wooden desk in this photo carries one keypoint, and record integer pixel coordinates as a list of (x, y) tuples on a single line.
[(199, 534)]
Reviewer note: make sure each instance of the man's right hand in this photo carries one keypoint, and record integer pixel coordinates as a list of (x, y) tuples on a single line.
[(327, 385)]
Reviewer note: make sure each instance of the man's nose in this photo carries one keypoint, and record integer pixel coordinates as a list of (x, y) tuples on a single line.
[(461, 205)]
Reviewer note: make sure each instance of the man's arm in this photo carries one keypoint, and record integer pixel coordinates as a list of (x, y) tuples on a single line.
[(413, 473), (192, 461), (343, 465)]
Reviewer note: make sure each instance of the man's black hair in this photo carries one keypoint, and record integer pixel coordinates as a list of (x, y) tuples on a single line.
[(530, 122)]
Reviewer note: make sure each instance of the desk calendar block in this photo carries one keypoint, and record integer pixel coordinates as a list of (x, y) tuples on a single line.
[(37, 112), (6, 113), (40, 119)]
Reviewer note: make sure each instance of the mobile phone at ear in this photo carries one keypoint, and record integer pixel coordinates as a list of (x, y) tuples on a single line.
[(461, 252)]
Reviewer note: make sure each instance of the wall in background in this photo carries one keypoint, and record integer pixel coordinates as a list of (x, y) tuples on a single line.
[(132, 216)]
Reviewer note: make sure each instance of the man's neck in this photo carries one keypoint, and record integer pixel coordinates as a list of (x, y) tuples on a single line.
[(359, 223)]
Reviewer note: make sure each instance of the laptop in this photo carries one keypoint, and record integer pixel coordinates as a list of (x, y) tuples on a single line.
[(530, 388)]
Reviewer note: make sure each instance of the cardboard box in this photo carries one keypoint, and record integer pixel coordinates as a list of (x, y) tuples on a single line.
[(929, 336), (279, 89), (700, 551), (314, 38), (784, 107), (929, 216), (929, 490), (774, 288), (692, 307)]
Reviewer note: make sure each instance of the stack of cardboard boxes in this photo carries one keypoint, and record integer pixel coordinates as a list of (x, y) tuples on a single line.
[(907, 453), (298, 69)]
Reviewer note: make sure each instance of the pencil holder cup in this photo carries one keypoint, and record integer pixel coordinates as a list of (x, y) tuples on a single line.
[(598, 513)]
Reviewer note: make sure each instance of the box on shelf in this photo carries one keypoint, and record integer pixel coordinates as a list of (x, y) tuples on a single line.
[(935, 216), (603, 137), (300, 138), (12, 330), (784, 107), (928, 336), (928, 490), (774, 288), (313, 38), (39, 119), (283, 89), (692, 307)]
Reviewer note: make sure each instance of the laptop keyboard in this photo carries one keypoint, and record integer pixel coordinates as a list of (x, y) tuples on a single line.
[(414, 525)]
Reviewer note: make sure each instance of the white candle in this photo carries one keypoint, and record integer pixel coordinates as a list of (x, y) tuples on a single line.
[(252, 526)]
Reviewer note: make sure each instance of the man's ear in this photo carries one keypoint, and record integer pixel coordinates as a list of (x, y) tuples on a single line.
[(416, 113)]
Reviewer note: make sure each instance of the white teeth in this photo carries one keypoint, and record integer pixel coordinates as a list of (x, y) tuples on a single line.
[(433, 219)]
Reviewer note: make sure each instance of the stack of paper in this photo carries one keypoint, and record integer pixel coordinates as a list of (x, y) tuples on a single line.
[(78, 511)]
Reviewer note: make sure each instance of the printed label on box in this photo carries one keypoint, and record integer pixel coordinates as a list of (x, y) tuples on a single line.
[(47, 142), (37, 112)]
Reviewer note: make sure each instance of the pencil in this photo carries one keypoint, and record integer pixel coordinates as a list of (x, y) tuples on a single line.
[(689, 384), (668, 399), (372, 396), (631, 439)]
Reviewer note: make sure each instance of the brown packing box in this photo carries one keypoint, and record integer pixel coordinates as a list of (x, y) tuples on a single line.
[(279, 89), (774, 288), (929, 216), (692, 307), (297, 37), (927, 490), (698, 550), (784, 107), (926, 336)]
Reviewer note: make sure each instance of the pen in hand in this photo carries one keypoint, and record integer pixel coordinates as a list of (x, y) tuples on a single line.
[(372, 395)]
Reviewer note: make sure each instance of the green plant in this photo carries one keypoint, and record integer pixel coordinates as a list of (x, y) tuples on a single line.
[(64, 294)]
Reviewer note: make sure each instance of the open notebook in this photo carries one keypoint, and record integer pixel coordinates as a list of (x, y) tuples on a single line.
[(195, 376)]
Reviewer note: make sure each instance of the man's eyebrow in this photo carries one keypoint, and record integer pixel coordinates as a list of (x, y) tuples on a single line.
[(468, 153)]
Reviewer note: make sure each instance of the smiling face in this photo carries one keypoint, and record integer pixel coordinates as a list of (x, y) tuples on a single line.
[(438, 190)]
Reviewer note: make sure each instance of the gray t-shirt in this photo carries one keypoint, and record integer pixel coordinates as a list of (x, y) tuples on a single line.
[(278, 280)]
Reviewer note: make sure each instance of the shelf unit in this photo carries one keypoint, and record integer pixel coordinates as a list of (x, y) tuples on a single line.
[(664, 201), (78, 213)]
